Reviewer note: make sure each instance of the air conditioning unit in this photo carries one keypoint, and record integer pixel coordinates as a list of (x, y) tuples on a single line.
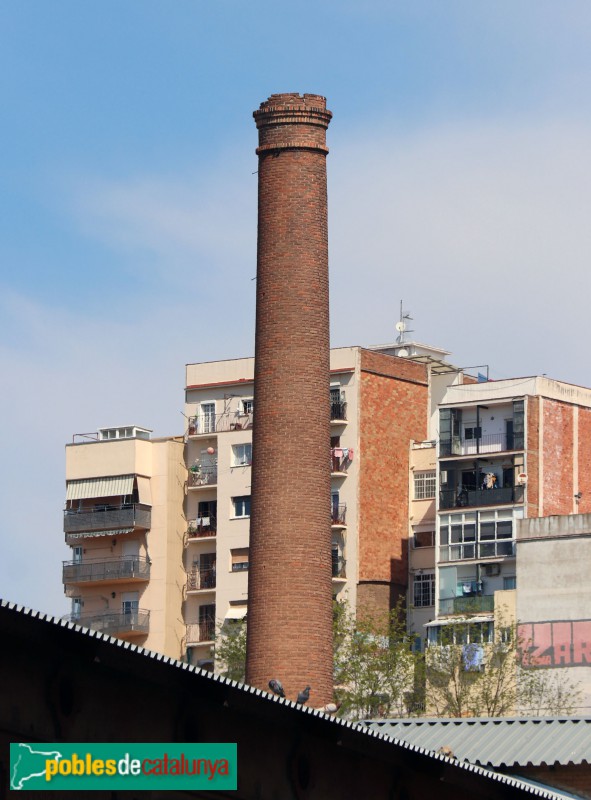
[(490, 570)]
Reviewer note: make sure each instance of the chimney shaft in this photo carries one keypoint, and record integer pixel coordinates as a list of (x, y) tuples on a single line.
[(290, 587)]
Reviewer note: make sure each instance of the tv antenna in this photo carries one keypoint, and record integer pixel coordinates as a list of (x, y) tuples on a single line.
[(402, 325)]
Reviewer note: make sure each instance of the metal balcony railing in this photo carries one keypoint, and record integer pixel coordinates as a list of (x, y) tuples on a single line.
[(205, 476), (114, 623), (490, 443), (198, 632), (203, 424), (205, 525), (339, 459), (126, 515), (339, 567), (338, 514), (467, 605), (338, 411), (110, 569), (201, 579), (452, 498)]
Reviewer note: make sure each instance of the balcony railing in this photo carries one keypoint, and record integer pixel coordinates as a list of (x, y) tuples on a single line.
[(198, 632), (339, 567), (204, 424), (338, 514), (206, 476), (127, 515), (340, 459), (201, 579), (115, 623), (110, 569), (452, 498), (490, 443), (467, 605), (338, 411), (202, 527)]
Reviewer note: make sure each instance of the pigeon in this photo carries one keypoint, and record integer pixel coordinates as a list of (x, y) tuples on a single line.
[(276, 688), (304, 696)]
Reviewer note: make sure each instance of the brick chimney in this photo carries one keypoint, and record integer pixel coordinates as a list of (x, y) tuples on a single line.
[(290, 586)]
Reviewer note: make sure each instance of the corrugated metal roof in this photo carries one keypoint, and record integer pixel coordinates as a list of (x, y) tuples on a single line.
[(499, 742), (99, 487)]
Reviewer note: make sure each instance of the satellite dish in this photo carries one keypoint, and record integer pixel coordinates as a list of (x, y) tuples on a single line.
[(403, 353), (400, 326)]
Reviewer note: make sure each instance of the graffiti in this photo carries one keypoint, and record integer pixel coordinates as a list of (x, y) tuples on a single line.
[(555, 644)]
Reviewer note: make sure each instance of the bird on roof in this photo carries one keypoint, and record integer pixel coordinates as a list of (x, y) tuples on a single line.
[(330, 708), (304, 695), (276, 687)]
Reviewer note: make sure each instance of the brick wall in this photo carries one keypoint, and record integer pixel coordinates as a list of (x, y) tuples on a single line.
[(571, 778), (290, 586), (533, 457), (558, 458), (393, 410), (584, 457)]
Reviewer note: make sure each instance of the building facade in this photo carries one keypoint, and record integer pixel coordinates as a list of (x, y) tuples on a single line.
[(125, 525)]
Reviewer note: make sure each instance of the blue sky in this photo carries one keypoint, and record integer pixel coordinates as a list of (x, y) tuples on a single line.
[(459, 181)]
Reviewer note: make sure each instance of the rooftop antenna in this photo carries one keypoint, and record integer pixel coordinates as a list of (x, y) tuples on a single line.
[(402, 326)]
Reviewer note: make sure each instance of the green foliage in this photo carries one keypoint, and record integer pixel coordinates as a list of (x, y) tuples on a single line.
[(230, 650), (498, 686), (374, 664)]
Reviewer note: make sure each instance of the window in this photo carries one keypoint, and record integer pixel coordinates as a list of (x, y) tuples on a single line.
[(239, 558), (473, 433), (248, 406), (76, 555), (241, 455), (424, 485), (474, 633), (241, 506), (423, 539), (76, 607), (510, 582), (424, 590)]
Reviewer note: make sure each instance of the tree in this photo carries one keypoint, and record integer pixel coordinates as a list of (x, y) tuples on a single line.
[(374, 664), (230, 650), (490, 678)]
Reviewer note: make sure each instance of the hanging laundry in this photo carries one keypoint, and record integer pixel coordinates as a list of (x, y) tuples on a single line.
[(345, 452), (350, 454)]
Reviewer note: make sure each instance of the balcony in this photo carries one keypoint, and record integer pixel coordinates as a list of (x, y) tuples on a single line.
[(210, 424), (493, 548), (338, 515), (127, 515), (201, 580), (338, 412), (467, 605), (451, 498), (489, 443), (129, 623), (339, 567), (204, 476), (204, 527), (200, 632), (132, 569), (340, 459)]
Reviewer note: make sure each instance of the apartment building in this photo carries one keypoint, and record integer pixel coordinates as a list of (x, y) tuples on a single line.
[(378, 403), (124, 521), (508, 450)]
